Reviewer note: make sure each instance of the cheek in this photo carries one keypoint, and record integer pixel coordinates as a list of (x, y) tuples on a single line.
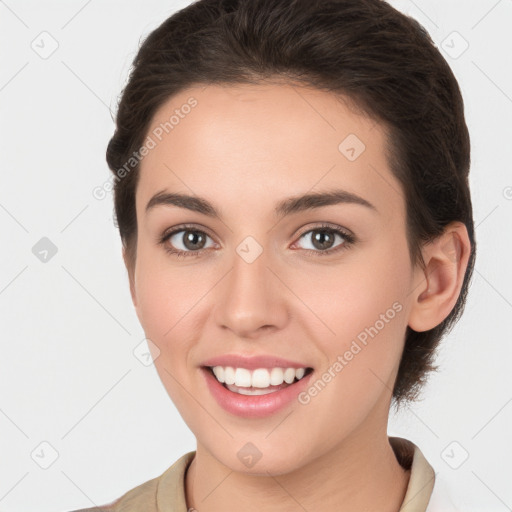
[(166, 299), (362, 309), (367, 317), (353, 295), (167, 292), (171, 302)]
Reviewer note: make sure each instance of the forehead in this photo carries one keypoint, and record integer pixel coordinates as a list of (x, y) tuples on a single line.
[(252, 144)]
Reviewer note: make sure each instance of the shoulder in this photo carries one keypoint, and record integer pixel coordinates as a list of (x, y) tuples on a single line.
[(142, 497), (166, 489)]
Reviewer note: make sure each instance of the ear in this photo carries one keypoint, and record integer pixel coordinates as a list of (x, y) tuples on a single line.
[(437, 287)]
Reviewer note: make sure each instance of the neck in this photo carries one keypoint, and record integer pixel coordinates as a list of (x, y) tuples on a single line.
[(361, 474)]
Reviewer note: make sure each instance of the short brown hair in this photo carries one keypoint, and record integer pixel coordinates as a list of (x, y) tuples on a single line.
[(365, 50)]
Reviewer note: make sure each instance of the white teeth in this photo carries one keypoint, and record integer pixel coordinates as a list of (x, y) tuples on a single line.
[(289, 375), (276, 376), (259, 378), (299, 373), (229, 375), (249, 391), (242, 378), (219, 373)]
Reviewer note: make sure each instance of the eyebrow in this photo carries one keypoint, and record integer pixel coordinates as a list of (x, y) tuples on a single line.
[(288, 206)]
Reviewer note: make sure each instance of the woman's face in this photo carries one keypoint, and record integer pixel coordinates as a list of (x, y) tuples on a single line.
[(263, 275)]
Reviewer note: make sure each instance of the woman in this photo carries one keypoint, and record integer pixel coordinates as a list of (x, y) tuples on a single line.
[(291, 190)]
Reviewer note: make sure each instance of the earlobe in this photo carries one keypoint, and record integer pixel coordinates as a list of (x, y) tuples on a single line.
[(436, 288)]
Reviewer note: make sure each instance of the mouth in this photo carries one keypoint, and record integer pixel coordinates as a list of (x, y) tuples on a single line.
[(260, 381)]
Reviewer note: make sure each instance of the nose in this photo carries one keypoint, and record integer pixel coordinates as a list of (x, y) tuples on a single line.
[(252, 300)]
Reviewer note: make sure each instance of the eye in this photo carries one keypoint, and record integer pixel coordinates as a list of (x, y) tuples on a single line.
[(185, 241), (322, 239)]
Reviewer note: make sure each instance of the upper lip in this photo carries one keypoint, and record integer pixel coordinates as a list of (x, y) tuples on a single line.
[(252, 362)]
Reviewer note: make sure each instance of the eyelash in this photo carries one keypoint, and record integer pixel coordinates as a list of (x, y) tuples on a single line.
[(349, 240)]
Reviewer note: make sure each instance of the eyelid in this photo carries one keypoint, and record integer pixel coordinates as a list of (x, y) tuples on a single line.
[(184, 227), (327, 226)]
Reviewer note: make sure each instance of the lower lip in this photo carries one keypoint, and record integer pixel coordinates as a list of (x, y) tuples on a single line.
[(254, 406)]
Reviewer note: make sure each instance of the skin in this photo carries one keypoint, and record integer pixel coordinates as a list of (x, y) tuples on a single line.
[(244, 148)]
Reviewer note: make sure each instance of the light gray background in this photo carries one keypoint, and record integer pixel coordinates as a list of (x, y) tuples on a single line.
[(68, 374)]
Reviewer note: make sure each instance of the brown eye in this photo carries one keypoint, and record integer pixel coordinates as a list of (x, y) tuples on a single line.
[(323, 240), (193, 240), (188, 240), (185, 242)]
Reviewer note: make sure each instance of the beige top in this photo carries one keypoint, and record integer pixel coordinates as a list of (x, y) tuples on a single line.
[(166, 493)]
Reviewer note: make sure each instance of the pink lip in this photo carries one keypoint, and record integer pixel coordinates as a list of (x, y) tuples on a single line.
[(255, 406), (252, 362)]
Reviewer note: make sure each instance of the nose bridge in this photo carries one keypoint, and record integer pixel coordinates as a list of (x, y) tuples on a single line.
[(250, 298)]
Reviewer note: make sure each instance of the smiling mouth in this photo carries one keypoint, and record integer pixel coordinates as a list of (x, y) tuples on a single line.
[(261, 381)]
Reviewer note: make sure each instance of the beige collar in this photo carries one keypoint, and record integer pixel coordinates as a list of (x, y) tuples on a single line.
[(171, 485), (422, 477)]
